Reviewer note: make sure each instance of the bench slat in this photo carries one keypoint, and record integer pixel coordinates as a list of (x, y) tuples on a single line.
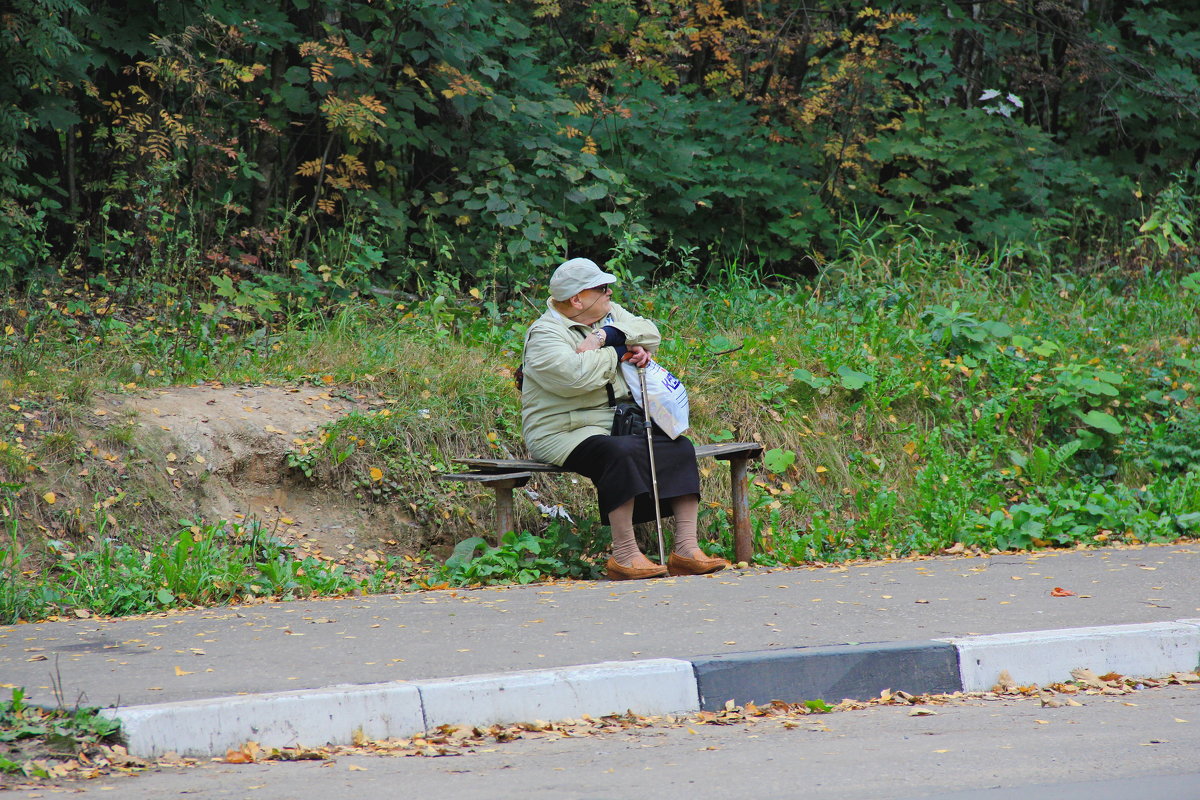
[(726, 450), (506, 464), (722, 451), (485, 477)]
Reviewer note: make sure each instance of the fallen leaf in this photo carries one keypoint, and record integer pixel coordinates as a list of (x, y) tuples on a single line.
[(1058, 591), (1087, 678), (50, 497), (1004, 682), (180, 672)]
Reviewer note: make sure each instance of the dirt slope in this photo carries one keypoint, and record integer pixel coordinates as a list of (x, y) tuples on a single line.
[(233, 441)]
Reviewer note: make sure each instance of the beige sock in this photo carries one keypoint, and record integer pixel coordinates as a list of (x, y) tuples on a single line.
[(686, 510), (624, 543)]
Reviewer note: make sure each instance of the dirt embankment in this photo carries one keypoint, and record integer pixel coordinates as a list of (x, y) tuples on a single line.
[(224, 451)]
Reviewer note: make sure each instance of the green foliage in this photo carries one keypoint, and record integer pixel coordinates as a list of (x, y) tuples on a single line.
[(295, 151), (955, 332), (521, 558), (1077, 512), (65, 729)]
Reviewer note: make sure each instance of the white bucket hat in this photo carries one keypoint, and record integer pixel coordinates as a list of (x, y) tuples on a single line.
[(573, 276)]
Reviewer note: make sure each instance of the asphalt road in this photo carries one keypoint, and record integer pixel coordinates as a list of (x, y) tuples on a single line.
[(1141, 745)]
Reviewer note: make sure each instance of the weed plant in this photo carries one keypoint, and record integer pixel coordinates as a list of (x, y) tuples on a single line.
[(63, 730), (911, 396)]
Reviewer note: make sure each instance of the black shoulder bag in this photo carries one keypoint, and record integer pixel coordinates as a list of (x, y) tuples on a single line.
[(628, 418)]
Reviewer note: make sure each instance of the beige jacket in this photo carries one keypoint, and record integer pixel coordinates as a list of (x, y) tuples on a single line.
[(563, 400)]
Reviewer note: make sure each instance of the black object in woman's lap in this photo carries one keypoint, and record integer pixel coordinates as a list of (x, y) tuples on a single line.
[(619, 466)]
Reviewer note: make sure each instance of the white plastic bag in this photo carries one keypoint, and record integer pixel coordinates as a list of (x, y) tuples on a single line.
[(668, 401)]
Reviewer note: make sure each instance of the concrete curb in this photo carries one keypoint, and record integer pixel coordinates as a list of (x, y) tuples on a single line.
[(655, 686), (1155, 648), (829, 673)]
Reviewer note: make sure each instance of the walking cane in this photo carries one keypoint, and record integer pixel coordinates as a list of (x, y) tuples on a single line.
[(662, 550)]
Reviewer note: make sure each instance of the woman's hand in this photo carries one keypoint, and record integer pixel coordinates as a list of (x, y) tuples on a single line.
[(637, 355)]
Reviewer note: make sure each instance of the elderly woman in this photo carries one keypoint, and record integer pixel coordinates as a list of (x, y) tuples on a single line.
[(572, 381)]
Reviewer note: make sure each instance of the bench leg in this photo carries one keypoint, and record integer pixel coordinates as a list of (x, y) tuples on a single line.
[(739, 481), (504, 511)]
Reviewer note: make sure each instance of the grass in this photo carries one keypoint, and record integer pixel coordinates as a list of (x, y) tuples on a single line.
[(912, 397)]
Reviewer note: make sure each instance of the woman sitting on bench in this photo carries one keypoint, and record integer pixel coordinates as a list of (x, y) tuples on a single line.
[(572, 381)]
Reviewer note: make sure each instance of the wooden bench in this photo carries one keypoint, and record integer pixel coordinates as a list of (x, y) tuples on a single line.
[(502, 475)]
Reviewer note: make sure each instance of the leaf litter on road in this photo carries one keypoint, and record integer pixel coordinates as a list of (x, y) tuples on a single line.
[(460, 740)]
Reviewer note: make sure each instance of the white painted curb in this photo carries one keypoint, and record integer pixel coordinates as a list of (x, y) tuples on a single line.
[(279, 719), (652, 686), (331, 716), (1043, 657)]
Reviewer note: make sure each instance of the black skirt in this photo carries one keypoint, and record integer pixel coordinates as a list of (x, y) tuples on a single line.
[(619, 466)]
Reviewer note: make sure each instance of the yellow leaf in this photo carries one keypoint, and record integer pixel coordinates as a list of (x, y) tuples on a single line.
[(14, 406), (9, 330), (50, 497), (180, 672), (821, 469), (475, 293), (376, 474)]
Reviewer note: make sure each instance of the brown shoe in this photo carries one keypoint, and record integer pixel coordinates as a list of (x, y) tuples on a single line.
[(618, 573), (704, 565)]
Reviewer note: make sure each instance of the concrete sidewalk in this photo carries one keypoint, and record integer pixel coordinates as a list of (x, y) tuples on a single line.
[(735, 623)]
